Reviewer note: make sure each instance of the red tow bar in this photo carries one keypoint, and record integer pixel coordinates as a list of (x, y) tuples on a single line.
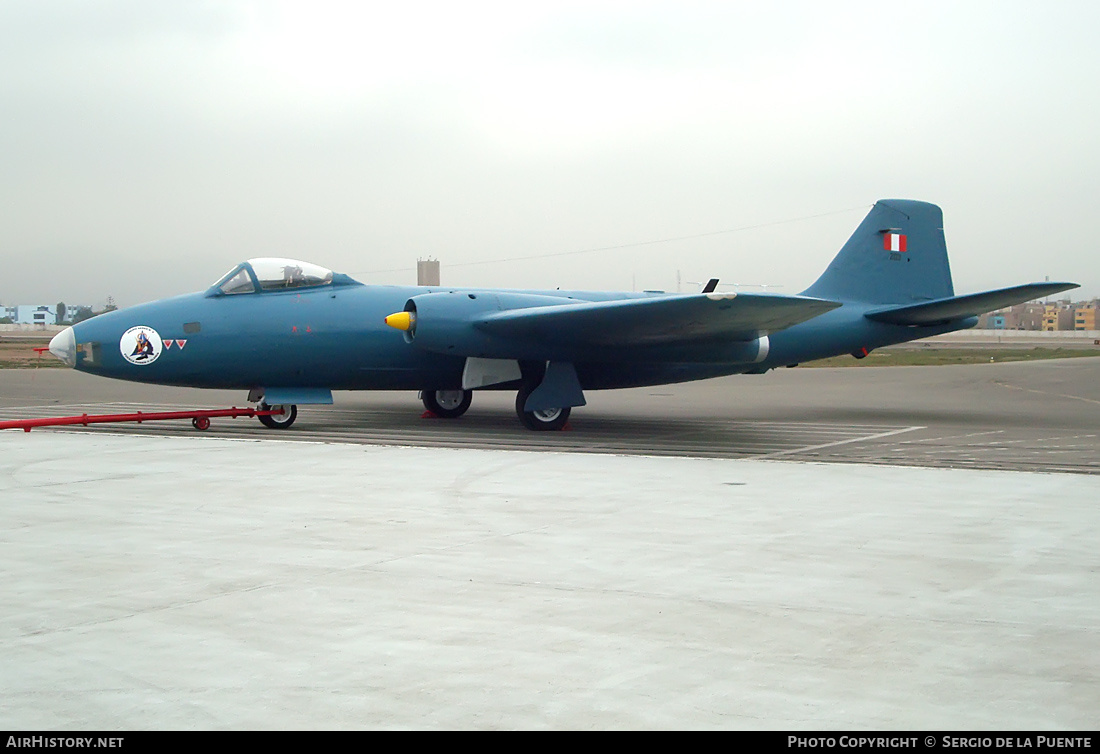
[(199, 419)]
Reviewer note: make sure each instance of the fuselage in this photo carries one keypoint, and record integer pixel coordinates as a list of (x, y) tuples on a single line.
[(335, 338)]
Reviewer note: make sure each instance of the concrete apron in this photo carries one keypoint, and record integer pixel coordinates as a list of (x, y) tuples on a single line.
[(198, 583)]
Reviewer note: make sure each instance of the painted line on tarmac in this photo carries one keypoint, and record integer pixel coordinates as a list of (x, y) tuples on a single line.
[(1046, 392), (863, 438)]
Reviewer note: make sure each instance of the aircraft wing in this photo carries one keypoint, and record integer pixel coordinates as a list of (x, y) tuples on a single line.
[(653, 321), (959, 307)]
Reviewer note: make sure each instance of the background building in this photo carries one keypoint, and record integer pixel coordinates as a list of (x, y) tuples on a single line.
[(1057, 317), (1020, 317), (1084, 315), (32, 314), (427, 272)]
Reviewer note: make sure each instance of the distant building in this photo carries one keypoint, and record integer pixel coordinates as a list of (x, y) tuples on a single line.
[(992, 321), (38, 314), (1019, 317), (32, 314), (427, 272), (1057, 317), (1084, 316), (1027, 316)]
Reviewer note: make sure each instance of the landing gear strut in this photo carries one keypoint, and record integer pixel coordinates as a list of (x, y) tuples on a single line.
[(447, 404), (278, 421), (547, 420)]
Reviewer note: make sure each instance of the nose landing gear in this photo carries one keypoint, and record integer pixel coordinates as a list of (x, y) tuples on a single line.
[(278, 421)]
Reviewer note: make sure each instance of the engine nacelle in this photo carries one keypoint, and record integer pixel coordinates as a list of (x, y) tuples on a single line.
[(444, 322), (450, 322)]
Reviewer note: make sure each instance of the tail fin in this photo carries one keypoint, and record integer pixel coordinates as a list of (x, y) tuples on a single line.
[(897, 255)]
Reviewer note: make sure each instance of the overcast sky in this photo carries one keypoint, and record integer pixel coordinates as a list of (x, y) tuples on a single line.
[(145, 148)]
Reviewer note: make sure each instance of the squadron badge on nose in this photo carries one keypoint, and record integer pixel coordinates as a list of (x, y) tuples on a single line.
[(140, 345)]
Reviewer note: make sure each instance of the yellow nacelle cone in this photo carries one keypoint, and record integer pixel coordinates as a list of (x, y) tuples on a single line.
[(401, 321)]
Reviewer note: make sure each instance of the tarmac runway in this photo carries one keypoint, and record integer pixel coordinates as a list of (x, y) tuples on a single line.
[(1036, 416), (839, 549)]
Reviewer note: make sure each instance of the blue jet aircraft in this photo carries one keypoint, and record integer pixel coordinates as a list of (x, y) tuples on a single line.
[(290, 332)]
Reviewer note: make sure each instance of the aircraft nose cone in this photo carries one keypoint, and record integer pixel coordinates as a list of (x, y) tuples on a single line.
[(63, 346)]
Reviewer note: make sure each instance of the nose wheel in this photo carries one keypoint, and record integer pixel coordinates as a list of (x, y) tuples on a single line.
[(278, 421)]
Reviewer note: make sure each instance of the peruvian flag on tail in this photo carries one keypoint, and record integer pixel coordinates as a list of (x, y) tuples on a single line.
[(894, 242)]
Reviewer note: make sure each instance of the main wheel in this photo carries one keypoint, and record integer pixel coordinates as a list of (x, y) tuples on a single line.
[(448, 404), (547, 420), (278, 421)]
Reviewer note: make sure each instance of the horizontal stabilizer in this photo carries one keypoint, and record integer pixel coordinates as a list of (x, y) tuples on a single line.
[(960, 307), (656, 320)]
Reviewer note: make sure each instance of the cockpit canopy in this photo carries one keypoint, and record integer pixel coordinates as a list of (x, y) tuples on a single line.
[(275, 274)]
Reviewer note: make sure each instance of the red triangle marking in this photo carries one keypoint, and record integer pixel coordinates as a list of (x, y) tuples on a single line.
[(167, 344), (181, 343)]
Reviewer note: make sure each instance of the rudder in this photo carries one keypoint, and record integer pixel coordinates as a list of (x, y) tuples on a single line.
[(897, 255)]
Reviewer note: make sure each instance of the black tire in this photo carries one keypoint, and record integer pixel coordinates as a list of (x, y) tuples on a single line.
[(447, 404), (540, 421), (201, 423), (278, 421)]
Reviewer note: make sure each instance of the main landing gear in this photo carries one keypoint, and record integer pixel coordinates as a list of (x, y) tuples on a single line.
[(447, 404), (547, 420), (450, 404), (278, 421)]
